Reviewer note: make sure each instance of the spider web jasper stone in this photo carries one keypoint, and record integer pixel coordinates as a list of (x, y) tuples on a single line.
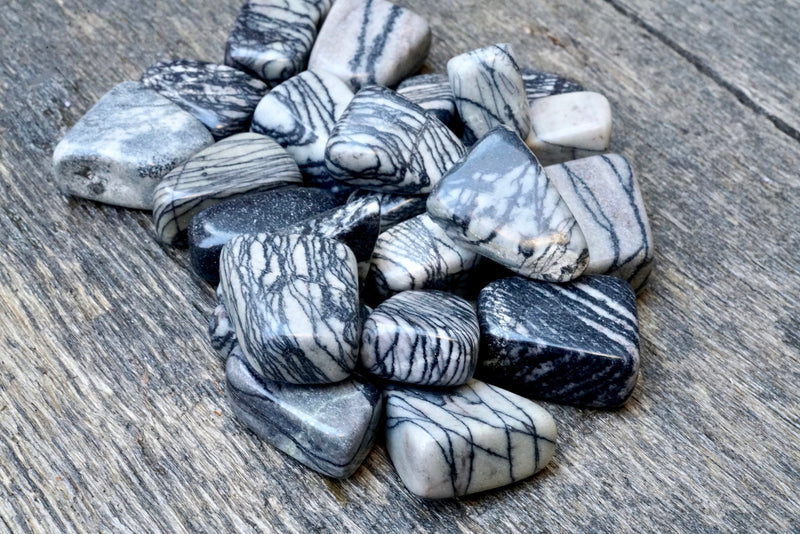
[(432, 93), (238, 164), (366, 42), (293, 301), (122, 147), (428, 338), (329, 428), (540, 84), (387, 143), (498, 202), (603, 194), (574, 343), (272, 38), (300, 113), (489, 91), (453, 442), (219, 96)]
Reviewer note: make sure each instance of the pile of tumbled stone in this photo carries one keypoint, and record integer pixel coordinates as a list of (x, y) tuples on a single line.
[(428, 202)]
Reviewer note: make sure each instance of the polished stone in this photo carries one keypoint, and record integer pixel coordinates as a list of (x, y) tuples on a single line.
[(122, 147), (386, 143), (540, 84), (432, 93), (499, 203), (367, 42), (569, 126), (221, 333), (270, 211), (574, 343), (428, 338), (293, 301), (603, 194), (394, 208), (329, 428), (489, 92), (300, 113), (418, 254), (219, 96), (273, 38), (242, 163), (459, 441)]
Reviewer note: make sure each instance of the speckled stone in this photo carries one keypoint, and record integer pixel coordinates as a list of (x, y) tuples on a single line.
[(219, 96), (577, 344), (458, 441), (366, 42), (122, 147), (293, 302), (329, 428), (270, 211)]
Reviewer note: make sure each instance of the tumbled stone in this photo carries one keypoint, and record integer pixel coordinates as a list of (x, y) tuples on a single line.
[(569, 126), (270, 211), (221, 333), (242, 163), (575, 343), (432, 93), (394, 208), (293, 301), (300, 113), (367, 42), (329, 428), (340, 190), (356, 224), (489, 92), (428, 338), (384, 142), (499, 203), (418, 254), (453, 442), (540, 84), (219, 96), (122, 147), (273, 38), (603, 194)]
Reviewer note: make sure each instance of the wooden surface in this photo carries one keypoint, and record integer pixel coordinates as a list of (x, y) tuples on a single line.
[(113, 413)]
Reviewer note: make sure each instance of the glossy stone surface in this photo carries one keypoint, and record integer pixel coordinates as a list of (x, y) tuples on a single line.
[(453, 442), (499, 202), (293, 301), (428, 338), (239, 164), (394, 208), (386, 143), (432, 93), (574, 343), (270, 211), (122, 147), (569, 126), (489, 91), (300, 113), (539, 84), (272, 38), (367, 42), (219, 96), (603, 194), (356, 224), (329, 428), (418, 254)]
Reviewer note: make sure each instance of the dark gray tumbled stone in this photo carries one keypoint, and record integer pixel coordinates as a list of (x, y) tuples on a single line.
[(122, 147), (270, 211), (427, 338), (329, 428), (219, 96), (293, 302), (575, 343)]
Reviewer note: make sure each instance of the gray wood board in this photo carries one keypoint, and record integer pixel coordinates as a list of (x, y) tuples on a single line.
[(113, 413)]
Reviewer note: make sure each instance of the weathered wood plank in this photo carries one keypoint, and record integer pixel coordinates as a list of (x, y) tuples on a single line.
[(112, 414)]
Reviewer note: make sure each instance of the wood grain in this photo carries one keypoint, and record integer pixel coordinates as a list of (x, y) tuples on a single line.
[(113, 414)]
